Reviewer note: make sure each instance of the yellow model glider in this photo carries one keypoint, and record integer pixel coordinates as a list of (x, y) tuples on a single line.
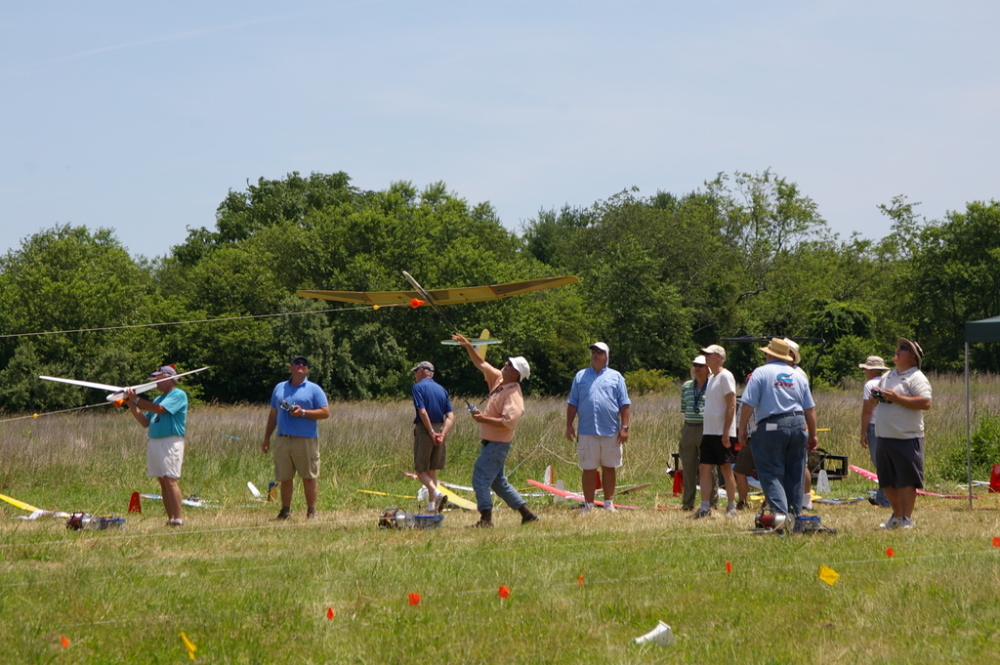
[(455, 296)]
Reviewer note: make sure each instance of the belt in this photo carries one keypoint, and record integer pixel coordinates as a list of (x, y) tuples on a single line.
[(778, 416)]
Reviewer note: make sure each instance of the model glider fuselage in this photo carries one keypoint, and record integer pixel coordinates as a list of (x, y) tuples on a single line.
[(117, 393), (454, 296)]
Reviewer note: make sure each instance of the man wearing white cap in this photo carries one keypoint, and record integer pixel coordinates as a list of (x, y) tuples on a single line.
[(504, 407), (718, 431), (166, 419), (874, 367), (779, 399), (600, 399), (693, 411)]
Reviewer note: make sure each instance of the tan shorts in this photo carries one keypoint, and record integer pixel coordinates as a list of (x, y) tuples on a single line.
[(427, 456), (594, 451), (165, 457), (295, 454)]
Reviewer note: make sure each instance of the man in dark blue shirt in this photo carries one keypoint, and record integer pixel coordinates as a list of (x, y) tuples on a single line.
[(430, 427)]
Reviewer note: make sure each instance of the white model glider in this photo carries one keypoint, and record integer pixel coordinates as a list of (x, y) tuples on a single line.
[(117, 393)]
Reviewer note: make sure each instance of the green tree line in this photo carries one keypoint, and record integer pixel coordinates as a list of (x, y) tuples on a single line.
[(747, 254)]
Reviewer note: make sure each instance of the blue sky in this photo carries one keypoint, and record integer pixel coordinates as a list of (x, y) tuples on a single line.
[(140, 117)]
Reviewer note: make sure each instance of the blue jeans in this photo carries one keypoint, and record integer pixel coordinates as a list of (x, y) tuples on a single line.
[(780, 456), (880, 497), (488, 474)]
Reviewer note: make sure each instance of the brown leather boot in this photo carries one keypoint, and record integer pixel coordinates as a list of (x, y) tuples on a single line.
[(485, 520), (527, 515)]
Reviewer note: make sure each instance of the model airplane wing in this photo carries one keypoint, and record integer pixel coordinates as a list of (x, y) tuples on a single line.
[(117, 392), (455, 296), (480, 344)]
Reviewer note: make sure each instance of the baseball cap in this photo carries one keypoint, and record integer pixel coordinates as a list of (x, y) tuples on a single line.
[(716, 349), (164, 371), (521, 365), (601, 346), (423, 364), (699, 360)]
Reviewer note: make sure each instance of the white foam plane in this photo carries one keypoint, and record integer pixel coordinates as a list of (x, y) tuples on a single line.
[(117, 393)]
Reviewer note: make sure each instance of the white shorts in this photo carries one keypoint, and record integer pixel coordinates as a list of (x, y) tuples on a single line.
[(164, 457), (594, 451)]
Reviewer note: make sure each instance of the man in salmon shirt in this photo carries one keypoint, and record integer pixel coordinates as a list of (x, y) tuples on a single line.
[(504, 407)]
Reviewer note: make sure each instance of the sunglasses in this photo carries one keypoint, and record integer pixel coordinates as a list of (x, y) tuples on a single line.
[(301, 362)]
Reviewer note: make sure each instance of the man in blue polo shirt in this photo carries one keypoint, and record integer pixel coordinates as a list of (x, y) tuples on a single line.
[(166, 420), (430, 427), (778, 398), (296, 406), (600, 399)]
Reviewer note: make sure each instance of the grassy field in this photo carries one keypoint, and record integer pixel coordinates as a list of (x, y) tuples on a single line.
[(246, 589)]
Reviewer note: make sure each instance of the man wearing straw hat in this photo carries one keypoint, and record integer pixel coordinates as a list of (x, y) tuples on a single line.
[(874, 368), (779, 400), (903, 395)]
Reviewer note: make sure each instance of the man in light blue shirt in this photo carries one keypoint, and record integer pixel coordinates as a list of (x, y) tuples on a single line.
[(778, 398), (599, 398)]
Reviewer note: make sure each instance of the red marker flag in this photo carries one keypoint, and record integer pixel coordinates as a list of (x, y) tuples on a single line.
[(889, 553), (504, 592), (330, 613), (996, 541), (65, 641), (729, 566), (414, 599), (579, 580)]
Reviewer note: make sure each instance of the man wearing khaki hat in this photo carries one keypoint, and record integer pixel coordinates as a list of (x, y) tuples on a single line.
[(874, 368), (902, 395), (779, 400)]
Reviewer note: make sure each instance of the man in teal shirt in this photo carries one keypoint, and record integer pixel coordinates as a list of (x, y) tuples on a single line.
[(166, 419)]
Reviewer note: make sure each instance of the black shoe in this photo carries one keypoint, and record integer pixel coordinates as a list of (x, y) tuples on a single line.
[(742, 505), (284, 514), (527, 515), (483, 524), (441, 502), (311, 514)]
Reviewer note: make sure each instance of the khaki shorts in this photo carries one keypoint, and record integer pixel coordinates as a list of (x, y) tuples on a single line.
[(427, 456), (594, 451), (295, 454), (165, 457)]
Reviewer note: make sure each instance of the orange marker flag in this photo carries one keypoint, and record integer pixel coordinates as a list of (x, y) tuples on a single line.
[(579, 580), (189, 645), (504, 592), (416, 302), (414, 599), (828, 575), (996, 541), (729, 567), (65, 641), (889, 553), (330, 613)]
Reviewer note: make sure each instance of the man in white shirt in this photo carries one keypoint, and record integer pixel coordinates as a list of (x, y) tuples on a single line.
[(718, 431)]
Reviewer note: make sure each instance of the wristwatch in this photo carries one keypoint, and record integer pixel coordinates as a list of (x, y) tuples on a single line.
[(625, 427)]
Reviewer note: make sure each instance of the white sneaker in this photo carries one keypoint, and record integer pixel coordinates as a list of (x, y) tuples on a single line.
[(700, 513), (807, 501), (891, 523), (731, 510), (610, 507), (587, 507), (906, 523)]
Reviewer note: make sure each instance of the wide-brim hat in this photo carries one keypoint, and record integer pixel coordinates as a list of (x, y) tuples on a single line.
[(914, 348), (778, 348), (874, 362)]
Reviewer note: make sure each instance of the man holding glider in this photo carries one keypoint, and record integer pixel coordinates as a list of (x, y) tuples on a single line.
[(504, 407), (902, 395), (296, 406), (165, 418), (599, 397), (777, 396), (430, 428)]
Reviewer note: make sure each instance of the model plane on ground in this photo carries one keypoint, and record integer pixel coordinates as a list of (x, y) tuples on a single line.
[(874, 478), (117, 393), (456, 296), (572, 496)]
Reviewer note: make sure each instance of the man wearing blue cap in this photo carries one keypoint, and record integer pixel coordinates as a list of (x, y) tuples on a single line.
[(296, 406)]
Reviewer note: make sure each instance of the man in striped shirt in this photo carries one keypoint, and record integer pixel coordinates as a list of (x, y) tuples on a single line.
[(692, 407)]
